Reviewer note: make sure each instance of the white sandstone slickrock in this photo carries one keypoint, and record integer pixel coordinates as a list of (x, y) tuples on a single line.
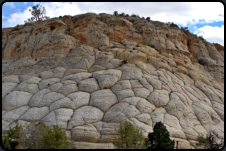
[(93, 72), (103, 99), (79, 98), (85, 115), (58, 117), (16, 99)]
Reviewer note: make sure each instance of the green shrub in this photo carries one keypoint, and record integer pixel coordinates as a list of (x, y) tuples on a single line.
[(148, 18), (55, 139), (171, 24), (133, 15), (201, 37), (36, 136), (184, 28), (32, 136), (10, 137), (122, 14), (131, 137), (209, 142), (115, 13)]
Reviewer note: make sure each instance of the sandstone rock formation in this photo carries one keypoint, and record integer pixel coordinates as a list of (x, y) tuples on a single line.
[(88, 73)]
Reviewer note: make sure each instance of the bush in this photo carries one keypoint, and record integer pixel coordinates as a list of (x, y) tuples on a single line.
[(115, 13), (171, 24), (159, 139), (148, 18), (201, 37), (184, 28), (122, 14), (133, 15), (32, 136), (37, 136), (209, 142), (131, 137), (10, 137), (55, 139)]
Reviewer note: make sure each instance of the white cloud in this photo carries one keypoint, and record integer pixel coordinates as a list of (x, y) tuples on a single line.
[(183, 13), (178, 12), (212, 34), (52, 10), (16, 18), (56, 9), (11, 4)]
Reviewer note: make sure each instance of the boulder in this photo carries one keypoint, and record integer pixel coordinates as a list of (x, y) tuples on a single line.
[(77, 77), (103, 99), (49, 98), (88, 85), (141, 92), (35, 114), (13, 115), (63, 103), (79, 98), (67, 89), (47, 82), (159, 98), (37, 98), (11, 79), (120, 112), (16, 99), (85, 115), (108, 78), (130, 73), (58, 117), (7, 87), (124, 94), (86, 133)]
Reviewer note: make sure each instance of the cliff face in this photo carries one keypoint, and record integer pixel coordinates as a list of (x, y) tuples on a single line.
[(88, 73)]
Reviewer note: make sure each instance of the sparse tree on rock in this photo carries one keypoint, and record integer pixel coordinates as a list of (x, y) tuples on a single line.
[(210, 142), (148, 18), (38, 12), (122, 14), (159, 139), (116, 13)]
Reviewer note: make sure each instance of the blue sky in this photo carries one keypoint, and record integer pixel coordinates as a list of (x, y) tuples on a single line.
[(203, 18)]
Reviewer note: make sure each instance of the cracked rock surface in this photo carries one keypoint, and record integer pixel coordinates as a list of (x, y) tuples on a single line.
[(92, 72)]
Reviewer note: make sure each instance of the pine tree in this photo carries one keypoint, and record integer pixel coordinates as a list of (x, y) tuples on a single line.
[(115, 13), (159, 139), (38, 14)]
